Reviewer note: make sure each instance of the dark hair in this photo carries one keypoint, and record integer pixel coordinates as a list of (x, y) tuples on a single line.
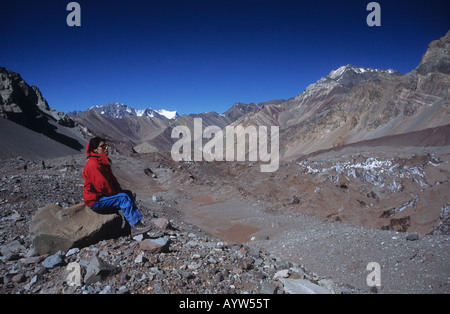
[(94, 142)]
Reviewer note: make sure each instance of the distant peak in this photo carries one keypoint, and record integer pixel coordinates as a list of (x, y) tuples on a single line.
[(358, 70), (168, 114), (350, 75), (118, 110)]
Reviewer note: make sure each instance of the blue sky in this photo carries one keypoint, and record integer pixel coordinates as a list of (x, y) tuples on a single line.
[(198, 56)]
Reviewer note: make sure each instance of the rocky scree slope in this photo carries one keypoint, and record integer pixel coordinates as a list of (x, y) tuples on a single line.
[(191, 261)]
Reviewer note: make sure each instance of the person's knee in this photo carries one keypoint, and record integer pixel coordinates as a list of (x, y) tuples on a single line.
[(124, 199), (129, 194)]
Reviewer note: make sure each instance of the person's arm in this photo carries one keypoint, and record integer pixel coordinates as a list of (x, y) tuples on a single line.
[(115, 184), (100, 183)]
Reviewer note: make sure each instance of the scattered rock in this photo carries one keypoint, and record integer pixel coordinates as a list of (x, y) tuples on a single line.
[(186, 259)]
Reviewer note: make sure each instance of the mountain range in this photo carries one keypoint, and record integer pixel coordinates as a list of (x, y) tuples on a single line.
[(349, 105), (118, 111)]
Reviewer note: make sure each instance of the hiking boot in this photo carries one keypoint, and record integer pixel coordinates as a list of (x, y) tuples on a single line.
[(140, 228)]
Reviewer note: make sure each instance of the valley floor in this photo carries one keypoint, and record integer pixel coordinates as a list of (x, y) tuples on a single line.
[(331, 214)]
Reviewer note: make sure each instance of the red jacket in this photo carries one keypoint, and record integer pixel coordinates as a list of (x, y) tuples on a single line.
[(99, 180)]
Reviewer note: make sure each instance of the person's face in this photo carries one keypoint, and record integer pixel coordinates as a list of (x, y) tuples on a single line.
[(101, 149)]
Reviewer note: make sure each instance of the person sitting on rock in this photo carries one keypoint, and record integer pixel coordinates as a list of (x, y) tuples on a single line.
[(102, 192)]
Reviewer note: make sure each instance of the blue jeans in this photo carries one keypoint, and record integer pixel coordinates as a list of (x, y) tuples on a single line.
[(123, 201)]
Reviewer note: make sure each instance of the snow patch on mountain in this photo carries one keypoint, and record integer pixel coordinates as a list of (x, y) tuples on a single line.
[(118, 111), (358, 70), (168, 114)]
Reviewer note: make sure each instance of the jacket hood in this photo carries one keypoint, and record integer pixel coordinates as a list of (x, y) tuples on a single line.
[(101, 158), (87, 149)]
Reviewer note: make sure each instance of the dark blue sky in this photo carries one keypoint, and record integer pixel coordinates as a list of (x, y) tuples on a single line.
[(195, 56)]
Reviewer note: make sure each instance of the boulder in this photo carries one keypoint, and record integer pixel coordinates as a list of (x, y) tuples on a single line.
[(155, 245), (54, 228)]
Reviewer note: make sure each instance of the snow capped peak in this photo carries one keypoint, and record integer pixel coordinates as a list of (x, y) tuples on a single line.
[(140, 112), (168, 114), (118, 111), (337, 73), (350, 75), (358, 70), (343, 69)]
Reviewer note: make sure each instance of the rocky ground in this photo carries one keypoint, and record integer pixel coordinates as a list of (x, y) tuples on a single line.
[(235, 230), (194, 262)]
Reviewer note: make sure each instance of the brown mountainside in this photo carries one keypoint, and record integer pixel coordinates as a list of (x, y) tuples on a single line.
[(356, 104)]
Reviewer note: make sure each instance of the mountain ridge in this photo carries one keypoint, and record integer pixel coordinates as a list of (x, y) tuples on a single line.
[(25, 106), (118, 110), (345, 108), (349, 105)]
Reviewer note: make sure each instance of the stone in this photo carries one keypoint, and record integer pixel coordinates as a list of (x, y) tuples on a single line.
[(11, 257), (412, 237), (12, 247), (157, 198), (72, 251), (138, 237), (330, 285), (54, 228), (284, 273), (302, 286), (54, 260), (31, 283), (140, 259), (33, 260), (98, 270), (268, 287), (161, 223), (185, 274), (194, 266), (19, 278), (155, 245), (108, 290), (246, 264)]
